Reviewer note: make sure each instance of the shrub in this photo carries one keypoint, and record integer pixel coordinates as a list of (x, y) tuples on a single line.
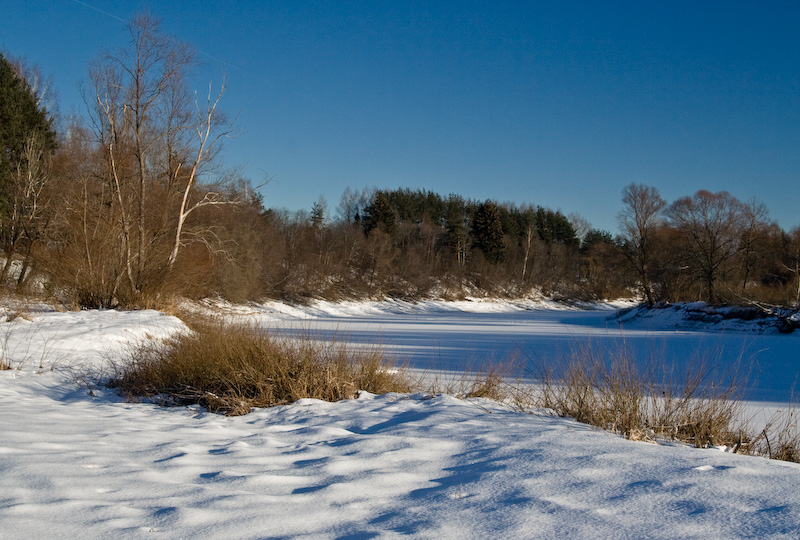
[(229, 368)]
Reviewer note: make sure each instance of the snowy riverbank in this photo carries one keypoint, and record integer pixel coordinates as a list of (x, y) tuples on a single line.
[(80, 462)]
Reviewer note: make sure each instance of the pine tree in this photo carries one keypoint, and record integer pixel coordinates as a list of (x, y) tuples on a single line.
[(487, 231), (379, 215), (318, 213)]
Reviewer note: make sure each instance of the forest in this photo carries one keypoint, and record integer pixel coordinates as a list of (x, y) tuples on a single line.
[(130, 205)]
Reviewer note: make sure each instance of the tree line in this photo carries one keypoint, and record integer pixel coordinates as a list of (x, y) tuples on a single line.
[(130, 206), (416, 243)]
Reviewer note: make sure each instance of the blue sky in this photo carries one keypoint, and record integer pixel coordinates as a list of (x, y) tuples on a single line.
[(554, 103)]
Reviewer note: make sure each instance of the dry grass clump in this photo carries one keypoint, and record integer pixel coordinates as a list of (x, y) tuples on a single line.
[(492, 381), (229, 368), (644, 403), (780, 438)]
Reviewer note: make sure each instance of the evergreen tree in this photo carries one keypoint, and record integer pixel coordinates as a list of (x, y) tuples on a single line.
[(379, 215), (21, 119), (487, 232), (455, 223), (555, 227), (318, 213), (594, 237), (27, 142)]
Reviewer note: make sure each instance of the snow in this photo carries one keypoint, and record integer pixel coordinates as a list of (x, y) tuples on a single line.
[(77, 461), (700, 315), (321, 308)]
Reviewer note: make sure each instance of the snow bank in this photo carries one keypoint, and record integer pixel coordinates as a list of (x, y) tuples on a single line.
[(81, 463), (701, 316), (92, 467), (41, 341), (322, 308)]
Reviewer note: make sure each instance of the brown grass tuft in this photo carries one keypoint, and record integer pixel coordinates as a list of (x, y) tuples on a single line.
[(644, 403), (780, 438), (495, 381), (230, 368)]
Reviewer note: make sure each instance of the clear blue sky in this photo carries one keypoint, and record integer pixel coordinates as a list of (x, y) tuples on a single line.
[(554, 103)]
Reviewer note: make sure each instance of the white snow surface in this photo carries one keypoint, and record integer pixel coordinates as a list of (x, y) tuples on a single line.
[(79, 462)]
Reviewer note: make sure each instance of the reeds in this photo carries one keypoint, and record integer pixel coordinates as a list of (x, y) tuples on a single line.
[(230, 368), (645, 400)]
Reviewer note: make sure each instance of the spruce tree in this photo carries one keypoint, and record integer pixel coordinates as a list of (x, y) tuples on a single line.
[(487, 231), (21, 117), (380, 215)]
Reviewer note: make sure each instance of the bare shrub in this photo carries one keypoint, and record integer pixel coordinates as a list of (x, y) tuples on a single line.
[(701, 407), (229, 368)]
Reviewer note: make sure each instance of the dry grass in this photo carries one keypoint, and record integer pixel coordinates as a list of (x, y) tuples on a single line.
[(495, 381), (645, 403), (229, 368), (780, 438)]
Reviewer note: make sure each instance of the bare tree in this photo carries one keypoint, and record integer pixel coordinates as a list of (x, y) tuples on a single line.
[(205, 145), (755, 241), (580, 224), (792, 262), (640, 219), (83, 250), (529, 240), (159, 143), (711, 224), (39, 85), (352, 204), (27, 216)]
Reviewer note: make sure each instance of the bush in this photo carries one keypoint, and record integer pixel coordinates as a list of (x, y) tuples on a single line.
[(229, 368)]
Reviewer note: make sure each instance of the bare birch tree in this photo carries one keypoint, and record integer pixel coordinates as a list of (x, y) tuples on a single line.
[(205, 144), (27, 217), (159, 142)]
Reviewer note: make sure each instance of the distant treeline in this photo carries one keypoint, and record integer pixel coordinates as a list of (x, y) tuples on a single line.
[(129, 207), (416, 243)]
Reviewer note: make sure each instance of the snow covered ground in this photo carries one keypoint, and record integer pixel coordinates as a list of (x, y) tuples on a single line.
[(78, 462)]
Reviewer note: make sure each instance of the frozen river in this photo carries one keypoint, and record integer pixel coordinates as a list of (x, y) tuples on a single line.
[(452, 340)]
